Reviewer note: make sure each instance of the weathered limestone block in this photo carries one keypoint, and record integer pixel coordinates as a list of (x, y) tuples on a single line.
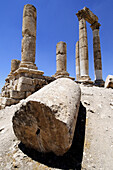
[(25, 87), (88, 15), (17, 94), (28, 93), (5, 93), (25, 80), (109, 81), (15, 84), (8, 101), (14, 64), (29, 20), (46, 120)]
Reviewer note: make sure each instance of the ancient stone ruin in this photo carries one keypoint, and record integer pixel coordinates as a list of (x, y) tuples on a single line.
[(61, 61), (82, 65), (46, 120), (24, 78)]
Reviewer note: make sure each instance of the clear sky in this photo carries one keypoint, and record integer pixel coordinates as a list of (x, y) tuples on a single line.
[(56, 21)]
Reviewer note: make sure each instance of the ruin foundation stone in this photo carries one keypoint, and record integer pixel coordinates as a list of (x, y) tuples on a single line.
[(46, 120), (109, 81)]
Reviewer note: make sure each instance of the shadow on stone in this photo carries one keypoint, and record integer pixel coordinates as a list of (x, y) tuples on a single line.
[(70, 160)]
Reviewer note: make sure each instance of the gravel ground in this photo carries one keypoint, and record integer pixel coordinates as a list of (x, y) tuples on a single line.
[(92, 146)]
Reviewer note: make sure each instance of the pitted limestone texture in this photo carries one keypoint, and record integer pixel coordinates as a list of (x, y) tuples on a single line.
[(46, 120)]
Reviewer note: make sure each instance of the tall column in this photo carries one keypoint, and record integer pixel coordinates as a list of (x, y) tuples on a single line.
[(83, 50), (29, 37), (77, 61), (61, 60), (97, 53)]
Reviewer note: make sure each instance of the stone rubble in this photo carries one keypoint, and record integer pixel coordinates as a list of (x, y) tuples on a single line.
[(109, 81)]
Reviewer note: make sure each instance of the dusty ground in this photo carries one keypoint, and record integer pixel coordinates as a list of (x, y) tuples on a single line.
[(95, 151)]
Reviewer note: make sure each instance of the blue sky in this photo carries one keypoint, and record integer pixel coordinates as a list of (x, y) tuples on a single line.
[(56, 21)]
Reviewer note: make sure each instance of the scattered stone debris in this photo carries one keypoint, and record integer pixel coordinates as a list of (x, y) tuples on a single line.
[(109, 81)]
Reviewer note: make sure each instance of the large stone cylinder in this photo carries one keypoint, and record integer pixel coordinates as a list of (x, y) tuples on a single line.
[(14, 65), (77, 61), (83, 49), (29, 35), (46, 120)]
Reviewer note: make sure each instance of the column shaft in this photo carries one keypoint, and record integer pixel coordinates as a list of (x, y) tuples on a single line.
[(83, 49), (61, 60), (29, 37), (77, 61), (97, 51)]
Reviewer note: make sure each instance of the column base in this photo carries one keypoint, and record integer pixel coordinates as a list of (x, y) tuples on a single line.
[(62, 75), (99, 83), (84, 78), (29, 65)]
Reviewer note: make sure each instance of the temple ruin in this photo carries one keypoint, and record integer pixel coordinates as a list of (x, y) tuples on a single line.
[(82, 65), (25, 78)]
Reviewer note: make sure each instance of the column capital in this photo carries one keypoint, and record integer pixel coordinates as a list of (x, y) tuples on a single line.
[(80, 14), (95, 25)]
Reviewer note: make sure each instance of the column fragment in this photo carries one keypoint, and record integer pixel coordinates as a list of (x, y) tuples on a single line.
[(77, 61), (14, 65), (61, 60)]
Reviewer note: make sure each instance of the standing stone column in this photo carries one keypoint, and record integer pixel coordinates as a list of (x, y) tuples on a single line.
[(77, 61), (83, 50), (29, 37), (61, 60), (97, 53)]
